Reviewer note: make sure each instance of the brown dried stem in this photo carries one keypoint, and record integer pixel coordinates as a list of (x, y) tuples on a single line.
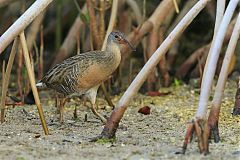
[(165, 9), (102, 21), (93, 25), (202, 52), (33, 30), (172, 53), (40, 65), (109, 30), (33, 82), (6, 77)]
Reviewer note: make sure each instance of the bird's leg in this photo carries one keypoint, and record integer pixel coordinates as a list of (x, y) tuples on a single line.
[(236, 109), (93, 108), (57, 104), (61, 108), (84, 104), (198, 126), (91, 95), (75, 116)]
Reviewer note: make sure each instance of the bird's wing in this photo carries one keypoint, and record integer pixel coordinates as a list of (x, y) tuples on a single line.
[(64, 77)]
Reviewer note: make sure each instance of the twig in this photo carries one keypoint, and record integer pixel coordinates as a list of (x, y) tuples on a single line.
[(184, 10), (93, 25), (111, 22), (136, 10), (33, 30), (78, 44), (32, 82), (3, 71), (102, 21), (6, 78), (19, 70), (176, 6), (109, 30), (185, 67), (165, 8), (40, 70)]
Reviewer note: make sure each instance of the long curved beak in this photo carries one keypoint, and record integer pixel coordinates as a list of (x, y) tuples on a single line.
[(125, 41)]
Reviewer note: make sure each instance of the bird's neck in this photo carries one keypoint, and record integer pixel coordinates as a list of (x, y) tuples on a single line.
[(114, 52), (113, 47)]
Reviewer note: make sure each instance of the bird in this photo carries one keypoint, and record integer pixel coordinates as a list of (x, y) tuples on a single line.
[(82, 74)]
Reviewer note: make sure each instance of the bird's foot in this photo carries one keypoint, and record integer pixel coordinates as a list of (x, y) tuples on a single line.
[(85, 117), (61, 109), (104, 120), (200, 128), (61, 119), (236, 110), (75, 116)]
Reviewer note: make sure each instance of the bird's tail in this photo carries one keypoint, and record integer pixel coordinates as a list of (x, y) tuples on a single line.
[(29, 98), (40, 85)]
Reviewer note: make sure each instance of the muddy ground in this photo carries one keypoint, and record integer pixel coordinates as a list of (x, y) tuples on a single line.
[(155, 136)]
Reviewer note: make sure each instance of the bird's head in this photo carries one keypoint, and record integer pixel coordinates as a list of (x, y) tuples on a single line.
[(119, 38)]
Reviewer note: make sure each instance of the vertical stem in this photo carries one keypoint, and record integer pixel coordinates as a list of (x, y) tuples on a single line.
[(109, 30), (6, 78), (3, 90), (93, 25), (78, 44), (32, 82), (163, 62), (102, 22), (112, 22), (40, 73), (108, 99), (153, 40), (219, 14), (226, 63), (176, 6), (3, 71), (211, 63)]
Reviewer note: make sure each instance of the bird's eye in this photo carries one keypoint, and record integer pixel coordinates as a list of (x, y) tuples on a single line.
[(116, 36)]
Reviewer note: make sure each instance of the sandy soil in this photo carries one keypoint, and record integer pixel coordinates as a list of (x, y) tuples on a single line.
[(155, 136)]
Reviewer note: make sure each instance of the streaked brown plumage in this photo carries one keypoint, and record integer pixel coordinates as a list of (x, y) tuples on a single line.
[(82, 74)]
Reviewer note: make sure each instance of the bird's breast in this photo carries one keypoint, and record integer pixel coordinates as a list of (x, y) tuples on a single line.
[(97, 73)]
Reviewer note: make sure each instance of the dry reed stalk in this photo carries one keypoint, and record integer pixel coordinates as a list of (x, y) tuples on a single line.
[(6, 77), (33, 82)]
